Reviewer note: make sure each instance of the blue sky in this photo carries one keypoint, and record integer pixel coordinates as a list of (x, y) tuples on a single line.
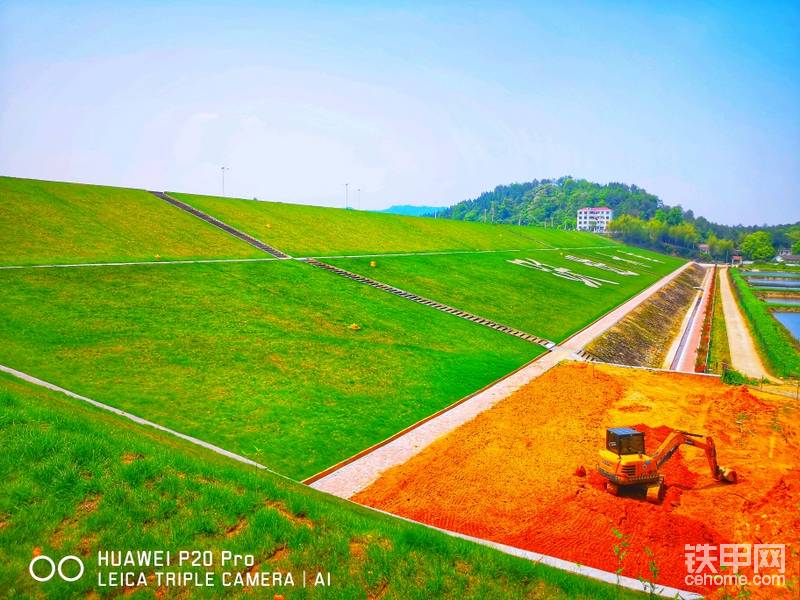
[(418, 103)]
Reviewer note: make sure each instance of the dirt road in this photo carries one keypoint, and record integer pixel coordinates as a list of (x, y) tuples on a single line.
[(744, 355)]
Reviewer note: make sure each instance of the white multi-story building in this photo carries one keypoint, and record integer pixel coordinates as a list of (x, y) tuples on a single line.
[(594, 218)]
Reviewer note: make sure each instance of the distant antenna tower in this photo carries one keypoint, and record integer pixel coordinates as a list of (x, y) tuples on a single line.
[(223, 169), (346, 195)]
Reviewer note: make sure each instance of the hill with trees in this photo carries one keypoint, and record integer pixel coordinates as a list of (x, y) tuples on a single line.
[(409, 210), (640, 218)]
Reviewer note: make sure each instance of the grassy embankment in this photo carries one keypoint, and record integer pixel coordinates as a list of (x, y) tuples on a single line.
[(75, 480), (778, 349), (645, 335), (772, 266), (258, 358), (45, 222), (529, 299), (312, 230)]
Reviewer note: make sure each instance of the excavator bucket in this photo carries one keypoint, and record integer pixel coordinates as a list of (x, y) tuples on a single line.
[(655, 492), (729, 475)]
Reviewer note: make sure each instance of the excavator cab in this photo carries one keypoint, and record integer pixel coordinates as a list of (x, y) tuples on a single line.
[(624, 440), (624, 463)]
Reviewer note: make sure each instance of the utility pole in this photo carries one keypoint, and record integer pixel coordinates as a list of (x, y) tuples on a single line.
[(223, 169), (359, 198), (346, 195)]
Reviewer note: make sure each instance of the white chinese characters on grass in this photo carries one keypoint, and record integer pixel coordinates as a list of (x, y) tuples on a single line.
[(600, 265), (562, 272)]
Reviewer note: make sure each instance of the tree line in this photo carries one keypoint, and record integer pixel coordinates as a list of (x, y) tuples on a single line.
[(639, 218)]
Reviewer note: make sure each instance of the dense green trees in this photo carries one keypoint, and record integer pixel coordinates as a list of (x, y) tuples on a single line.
[(720, 249), (553, 202), (656, 233), (640, 217), (758, 246)]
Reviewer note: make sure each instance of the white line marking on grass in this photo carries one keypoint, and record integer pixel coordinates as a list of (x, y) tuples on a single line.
[(144, 262), (550, 561), (452, 252), (135, 419), (201, 261)]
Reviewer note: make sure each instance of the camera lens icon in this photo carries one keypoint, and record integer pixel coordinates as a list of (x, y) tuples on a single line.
[(54, 568)]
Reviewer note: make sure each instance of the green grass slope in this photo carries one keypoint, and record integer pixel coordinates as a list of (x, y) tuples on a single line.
[(312, 230), (49, 222), (531, 300), (255, 357), (75, 480)]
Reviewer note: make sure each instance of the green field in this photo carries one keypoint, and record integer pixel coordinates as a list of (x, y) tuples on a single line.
[(47, 222), (525, 298), (776, 345), (313, 231), (74, 479), (255, 357)]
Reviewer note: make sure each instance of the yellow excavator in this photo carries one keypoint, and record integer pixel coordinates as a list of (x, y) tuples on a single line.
[(625, 465)]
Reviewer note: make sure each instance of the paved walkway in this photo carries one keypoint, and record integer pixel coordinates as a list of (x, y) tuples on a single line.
[(351, 476), (744, 355)]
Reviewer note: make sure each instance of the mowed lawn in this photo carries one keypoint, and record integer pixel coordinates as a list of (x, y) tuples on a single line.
[(534, 301), (258, 358), (316, 231), (75, 480), (45, 222)]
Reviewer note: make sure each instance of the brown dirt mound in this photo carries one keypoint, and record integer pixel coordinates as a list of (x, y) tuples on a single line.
[(510, 474)]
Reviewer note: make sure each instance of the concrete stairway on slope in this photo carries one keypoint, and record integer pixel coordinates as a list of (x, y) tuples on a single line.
[(431, 303), (224, 226)]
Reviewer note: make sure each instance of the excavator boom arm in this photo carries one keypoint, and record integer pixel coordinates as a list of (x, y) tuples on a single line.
[(674, 440)]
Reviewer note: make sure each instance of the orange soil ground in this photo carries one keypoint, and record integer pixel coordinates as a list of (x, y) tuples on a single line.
[(510, 474)]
